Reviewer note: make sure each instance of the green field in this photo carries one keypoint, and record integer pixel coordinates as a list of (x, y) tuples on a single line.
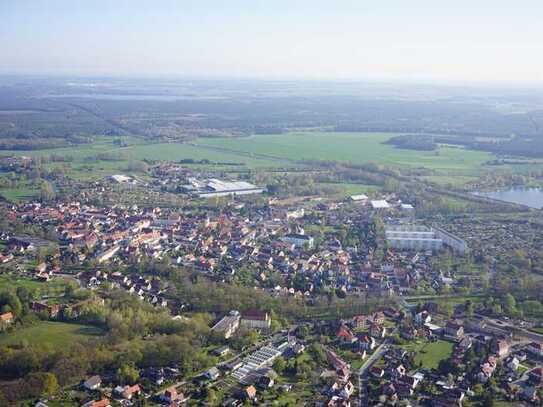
[(19, 194), (356, 148), (85, 167), (138, 149), (348, 189), (53, 287), (430, 353), (56, 334)]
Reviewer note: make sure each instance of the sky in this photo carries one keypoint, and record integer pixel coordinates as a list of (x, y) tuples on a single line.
[(432, 40)]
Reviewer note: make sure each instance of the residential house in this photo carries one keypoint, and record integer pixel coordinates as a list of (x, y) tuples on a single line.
[(222, 351), (265, 382), (171, 396), (347, 390), (487, 369), (131, 391), (361, 321), (249, 393), (377, 331), (345, 335), (535, 376), (50, 310), (535, 348), (92, 383), (6, 319), (422, 318), (212, 373), (99, 403), (513, 363), (377, 372), (454, 330), (499, 347), (367, 343)]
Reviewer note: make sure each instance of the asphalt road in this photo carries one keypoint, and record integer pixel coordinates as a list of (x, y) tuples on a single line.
[(363, 373)]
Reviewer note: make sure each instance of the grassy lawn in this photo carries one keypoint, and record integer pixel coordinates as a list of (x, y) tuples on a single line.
[(452, 300), (430, 353), (458, 180), (19, 194), (52, 287), (538, 330), (349, 189), (56, 334)]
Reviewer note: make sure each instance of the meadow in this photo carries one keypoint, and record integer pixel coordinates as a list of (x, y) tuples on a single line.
[(355, 148), (55, 334), (55, 286)]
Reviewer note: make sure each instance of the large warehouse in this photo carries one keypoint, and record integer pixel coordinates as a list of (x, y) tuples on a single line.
[(215, 188), (415, 237)]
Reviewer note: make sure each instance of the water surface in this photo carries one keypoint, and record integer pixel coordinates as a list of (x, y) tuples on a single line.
[(532, 197)]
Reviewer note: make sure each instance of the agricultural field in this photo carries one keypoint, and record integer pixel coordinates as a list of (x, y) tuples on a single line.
[(56, 334), (356, 148)]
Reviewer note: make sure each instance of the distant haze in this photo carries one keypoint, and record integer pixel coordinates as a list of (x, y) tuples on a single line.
[(460, 40)]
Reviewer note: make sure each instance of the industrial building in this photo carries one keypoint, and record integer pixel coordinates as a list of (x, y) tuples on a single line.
[(216, 188), (228, 324), (380, 204), (121, 179), (415, 237)]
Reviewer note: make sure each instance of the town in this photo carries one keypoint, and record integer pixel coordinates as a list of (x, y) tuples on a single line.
[(234, 296)]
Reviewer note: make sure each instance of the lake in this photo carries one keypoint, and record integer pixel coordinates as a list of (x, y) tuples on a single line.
[(532, 197)]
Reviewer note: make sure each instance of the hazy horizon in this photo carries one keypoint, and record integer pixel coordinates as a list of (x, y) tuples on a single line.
[(389, 41)]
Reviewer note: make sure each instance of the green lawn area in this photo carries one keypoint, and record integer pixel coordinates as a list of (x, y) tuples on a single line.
[(57, 334), (19, 194), (444, 299), (538, 330), (350, 357), (348, 189), (52, 287), (430, 353), (357, 148), (449, 180)]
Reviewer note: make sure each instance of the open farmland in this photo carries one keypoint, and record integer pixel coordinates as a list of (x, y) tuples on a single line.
[(356, 148)]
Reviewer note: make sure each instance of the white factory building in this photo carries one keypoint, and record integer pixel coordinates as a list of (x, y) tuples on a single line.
[(216, 188), (416, 237)]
